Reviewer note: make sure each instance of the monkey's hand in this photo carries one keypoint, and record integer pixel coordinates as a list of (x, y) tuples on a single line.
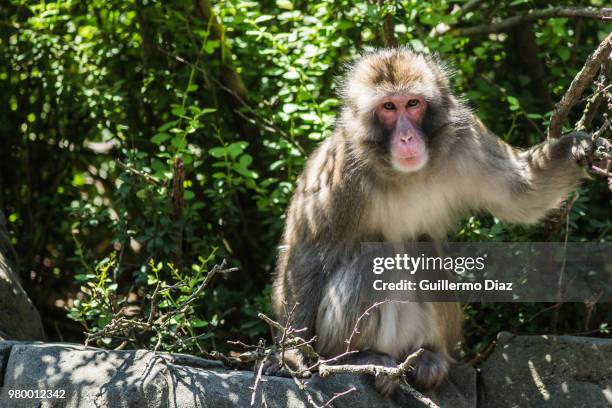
[(589, 151), (292, 363)]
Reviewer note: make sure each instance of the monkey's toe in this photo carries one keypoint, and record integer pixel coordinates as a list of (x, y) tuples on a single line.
[(429, 370)]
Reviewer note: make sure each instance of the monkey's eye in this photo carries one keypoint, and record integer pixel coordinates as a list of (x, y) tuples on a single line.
[(412, 103), (389, 106)]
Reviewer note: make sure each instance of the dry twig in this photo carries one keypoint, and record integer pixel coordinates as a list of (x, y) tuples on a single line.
[(392, 372), (578, 85), (508, 23)]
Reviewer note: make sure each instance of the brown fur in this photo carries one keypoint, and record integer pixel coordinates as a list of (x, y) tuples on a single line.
[(348, 193)]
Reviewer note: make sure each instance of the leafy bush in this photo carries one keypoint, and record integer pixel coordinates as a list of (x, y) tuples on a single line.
[(108, 103)]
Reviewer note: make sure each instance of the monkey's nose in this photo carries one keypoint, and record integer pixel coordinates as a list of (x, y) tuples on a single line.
[(406, 138)]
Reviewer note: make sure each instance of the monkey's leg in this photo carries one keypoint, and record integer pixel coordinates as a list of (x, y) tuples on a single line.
[(429, 370)]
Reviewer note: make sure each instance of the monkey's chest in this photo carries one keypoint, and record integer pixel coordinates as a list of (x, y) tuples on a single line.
[(406, 214)]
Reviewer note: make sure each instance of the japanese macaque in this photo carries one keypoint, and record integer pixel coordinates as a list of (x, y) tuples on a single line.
[(406, 160)]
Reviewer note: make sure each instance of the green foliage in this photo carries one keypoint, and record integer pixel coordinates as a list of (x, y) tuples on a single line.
[(103, 99), (170, 321)]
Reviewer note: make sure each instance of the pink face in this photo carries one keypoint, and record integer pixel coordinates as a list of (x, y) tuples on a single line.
[(402, 115)]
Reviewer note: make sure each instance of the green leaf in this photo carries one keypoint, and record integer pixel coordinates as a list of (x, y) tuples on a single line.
[(291, 74), (160, 138), (564, 53), (236, 148), (210, 46), (263, 18), (178, 111), (217, 152), (514, 103), (290, 108)]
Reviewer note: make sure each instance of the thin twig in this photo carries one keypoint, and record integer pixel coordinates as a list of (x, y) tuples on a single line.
[(257, 380), (533, 15), (154, 297), (329, 402), (560, 281), (358, 321), (594, 101), (145, 176), (271, 322), (420, 397), (467, 7), (578, 85), (600, 171)]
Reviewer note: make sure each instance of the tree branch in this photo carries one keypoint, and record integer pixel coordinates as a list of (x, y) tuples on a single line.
[(393, 372), (467, 7), (578, 85), (230, 76), (594, 101), (504, 25), (388, 28)]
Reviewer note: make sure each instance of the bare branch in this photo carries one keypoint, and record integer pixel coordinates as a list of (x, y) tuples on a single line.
[(601, 172), (467, 7), (358, 321), (388, 28), (257, 380), (392, 372), (578, 85), (329, 402), (533, 15), (420, 397), (145, 176), (594, 101), (271, 323)]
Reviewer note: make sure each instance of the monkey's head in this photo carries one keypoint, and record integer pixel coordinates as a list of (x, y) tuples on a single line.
[(396, 101)]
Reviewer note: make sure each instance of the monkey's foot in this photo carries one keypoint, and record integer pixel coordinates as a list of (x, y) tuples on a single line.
[(429, 370), (292, 363), (385, 385)]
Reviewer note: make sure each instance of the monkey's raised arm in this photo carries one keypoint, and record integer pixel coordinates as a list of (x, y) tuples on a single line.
[(521, 186)]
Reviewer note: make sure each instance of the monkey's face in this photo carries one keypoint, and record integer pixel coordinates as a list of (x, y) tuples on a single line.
[(402, 118), (395, 103)]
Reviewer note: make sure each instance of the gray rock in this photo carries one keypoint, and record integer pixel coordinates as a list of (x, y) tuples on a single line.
[(92, 377), (19, 319), (523, 371), (547, 371)]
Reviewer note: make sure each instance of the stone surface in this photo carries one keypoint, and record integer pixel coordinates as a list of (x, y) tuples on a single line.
[(547, 371), (19, 319), (98, 378), (526, 371)]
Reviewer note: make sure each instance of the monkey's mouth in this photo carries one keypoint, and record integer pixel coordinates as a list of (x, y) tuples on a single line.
[(408, 164)]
